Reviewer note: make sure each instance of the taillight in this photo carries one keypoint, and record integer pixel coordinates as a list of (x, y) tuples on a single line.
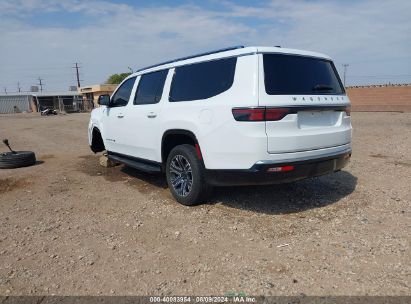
[(281, 169), (249, 114), (259, 114), (275, 114)]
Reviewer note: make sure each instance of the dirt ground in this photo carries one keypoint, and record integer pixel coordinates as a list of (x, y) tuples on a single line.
[(71, 227)]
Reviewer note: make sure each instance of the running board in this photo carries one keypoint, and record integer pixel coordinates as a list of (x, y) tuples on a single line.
[(136, 164)]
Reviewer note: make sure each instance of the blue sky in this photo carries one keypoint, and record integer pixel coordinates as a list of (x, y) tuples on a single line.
[(43, 38)]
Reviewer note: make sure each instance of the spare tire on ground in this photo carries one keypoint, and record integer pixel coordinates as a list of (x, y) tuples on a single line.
[(18, 159)]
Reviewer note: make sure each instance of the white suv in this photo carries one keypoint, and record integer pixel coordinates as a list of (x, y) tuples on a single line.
[(236, 116)]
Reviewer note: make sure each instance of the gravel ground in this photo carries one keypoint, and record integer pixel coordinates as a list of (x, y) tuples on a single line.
[(71, 227)]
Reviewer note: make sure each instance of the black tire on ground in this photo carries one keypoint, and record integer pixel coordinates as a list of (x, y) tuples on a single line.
[(200, 190), (10, 160)]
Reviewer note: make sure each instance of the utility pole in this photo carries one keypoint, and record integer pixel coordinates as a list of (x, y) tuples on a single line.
[(18, 86), (41, 84), (345, 65), (77, 74), (5, 90)]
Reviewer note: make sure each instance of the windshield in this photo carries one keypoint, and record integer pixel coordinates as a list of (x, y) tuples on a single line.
[(299, 75)]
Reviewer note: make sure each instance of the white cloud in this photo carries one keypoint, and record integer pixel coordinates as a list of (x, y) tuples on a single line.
[(371, 35)]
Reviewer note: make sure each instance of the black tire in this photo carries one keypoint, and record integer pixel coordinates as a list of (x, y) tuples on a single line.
[(199, 190), (10, 160)]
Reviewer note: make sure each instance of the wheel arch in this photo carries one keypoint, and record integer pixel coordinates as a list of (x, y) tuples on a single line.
[(97, 143), (174, 137)]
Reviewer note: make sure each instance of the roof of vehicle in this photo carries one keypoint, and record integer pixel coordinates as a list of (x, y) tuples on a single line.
[(224, 53)]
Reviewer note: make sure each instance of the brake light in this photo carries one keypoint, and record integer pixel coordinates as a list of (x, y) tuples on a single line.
[(249, 114), (281, 169), (259, 114), (275, 114)]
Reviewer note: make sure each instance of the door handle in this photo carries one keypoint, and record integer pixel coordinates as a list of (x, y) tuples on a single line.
[(120, 115), (151, 115)]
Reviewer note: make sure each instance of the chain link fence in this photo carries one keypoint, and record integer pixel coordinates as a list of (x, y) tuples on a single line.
[(75, 104)]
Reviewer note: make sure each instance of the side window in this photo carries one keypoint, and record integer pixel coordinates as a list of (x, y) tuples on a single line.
[(202, 80), (150, 88), (122, 95)]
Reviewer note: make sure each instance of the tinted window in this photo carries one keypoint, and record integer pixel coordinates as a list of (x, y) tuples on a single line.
[(202, 80), (150, 87), (296, 75), (121, 97)]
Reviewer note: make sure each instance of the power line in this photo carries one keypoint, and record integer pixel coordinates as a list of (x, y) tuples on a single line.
[(34, 68), (386, 59)]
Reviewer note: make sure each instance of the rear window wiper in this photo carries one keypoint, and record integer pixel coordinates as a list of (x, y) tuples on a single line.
[(322, 87)]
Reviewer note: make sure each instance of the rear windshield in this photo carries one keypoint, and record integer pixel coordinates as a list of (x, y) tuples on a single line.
[(298, 75)]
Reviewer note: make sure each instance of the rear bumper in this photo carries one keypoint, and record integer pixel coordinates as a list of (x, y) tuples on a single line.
[(258, 174)]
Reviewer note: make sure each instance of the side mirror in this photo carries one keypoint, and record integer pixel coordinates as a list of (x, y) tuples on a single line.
[(104, 100)]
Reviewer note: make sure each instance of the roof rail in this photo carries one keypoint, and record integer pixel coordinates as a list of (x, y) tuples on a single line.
[(194, 56)]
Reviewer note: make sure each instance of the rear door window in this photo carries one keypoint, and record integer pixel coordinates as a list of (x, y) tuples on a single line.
[(202, 80), (150, 88), (299, 75)]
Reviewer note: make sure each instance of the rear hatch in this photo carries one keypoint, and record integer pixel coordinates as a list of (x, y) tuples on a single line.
[(306, 99)]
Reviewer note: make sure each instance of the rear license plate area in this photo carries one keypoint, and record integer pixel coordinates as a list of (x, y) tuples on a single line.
[(317, 119)]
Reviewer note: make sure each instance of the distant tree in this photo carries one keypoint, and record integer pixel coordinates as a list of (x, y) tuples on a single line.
[(117, 78)]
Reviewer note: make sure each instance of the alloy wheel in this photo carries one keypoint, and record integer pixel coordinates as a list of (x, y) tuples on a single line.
[(181, 176)]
